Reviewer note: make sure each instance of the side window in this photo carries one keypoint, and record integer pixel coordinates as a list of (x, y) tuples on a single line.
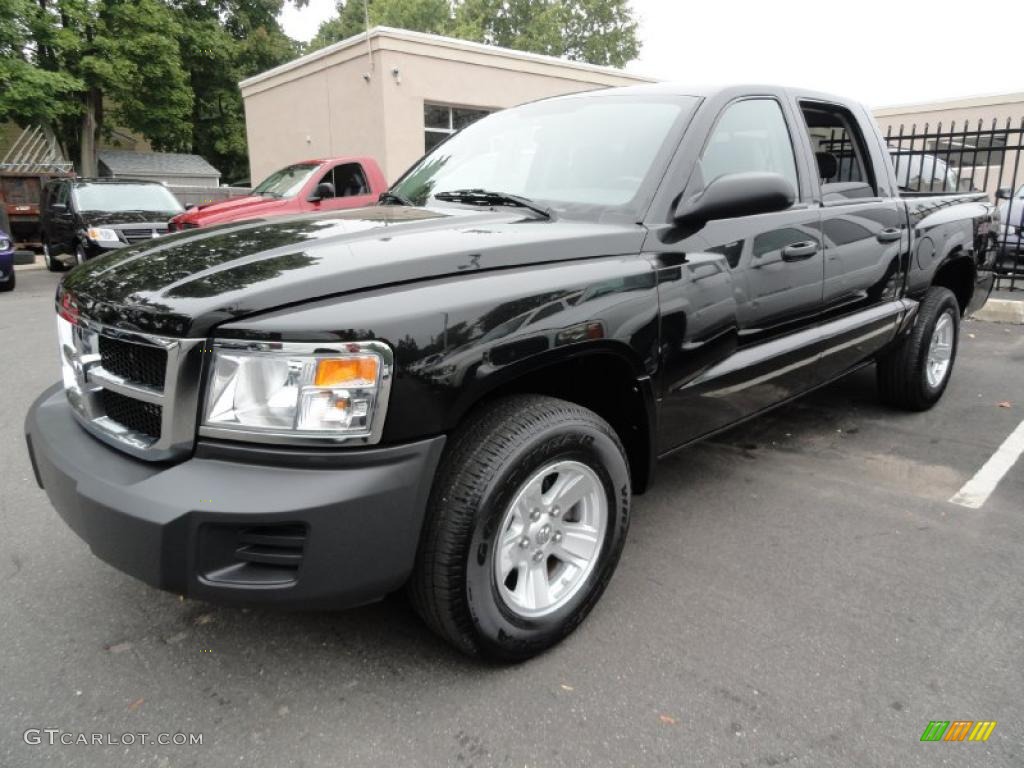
[(750, 136), (349, 180), (838, 147), (61, 193)]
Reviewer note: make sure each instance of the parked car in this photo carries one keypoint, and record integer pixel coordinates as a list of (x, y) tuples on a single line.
[(7, 275), (1011, 233), (82, 218), (461, 390), (308, 187)]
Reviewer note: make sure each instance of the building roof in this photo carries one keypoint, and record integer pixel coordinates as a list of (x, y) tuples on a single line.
[(122, 162), (964, 102), (363, 42)]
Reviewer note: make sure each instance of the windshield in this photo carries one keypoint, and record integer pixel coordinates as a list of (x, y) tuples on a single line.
[(563, 152), (287, 182), (126, 197)]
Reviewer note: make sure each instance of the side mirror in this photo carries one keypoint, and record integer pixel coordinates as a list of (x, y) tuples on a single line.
[(1004, 193), (737, 194), (324, 191)]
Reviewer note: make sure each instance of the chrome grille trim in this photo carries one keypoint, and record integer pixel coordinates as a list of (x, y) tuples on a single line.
[(85, 379)]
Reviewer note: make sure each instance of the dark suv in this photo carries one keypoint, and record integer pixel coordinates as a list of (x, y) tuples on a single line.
[(82, 218)]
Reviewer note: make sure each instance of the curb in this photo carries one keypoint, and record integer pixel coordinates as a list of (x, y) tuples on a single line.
[(1001, 311)]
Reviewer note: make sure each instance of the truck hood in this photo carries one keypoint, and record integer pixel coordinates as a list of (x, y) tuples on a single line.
[(187, 283), (236, 208)]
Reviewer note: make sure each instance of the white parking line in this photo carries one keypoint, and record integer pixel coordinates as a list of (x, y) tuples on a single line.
[(977, 490)]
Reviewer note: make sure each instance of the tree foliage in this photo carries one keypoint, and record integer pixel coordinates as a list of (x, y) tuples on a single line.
[(594, 31), (165, 69)]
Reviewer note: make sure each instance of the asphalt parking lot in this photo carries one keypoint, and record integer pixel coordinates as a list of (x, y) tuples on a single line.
[(800, 592)]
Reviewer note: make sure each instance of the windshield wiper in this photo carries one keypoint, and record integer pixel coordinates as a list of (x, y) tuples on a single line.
[(487, 197), (393, 198)]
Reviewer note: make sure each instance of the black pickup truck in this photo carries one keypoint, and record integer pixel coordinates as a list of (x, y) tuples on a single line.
[(459, 390)]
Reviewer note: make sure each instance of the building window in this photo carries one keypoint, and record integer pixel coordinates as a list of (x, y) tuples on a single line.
[(440, 121)]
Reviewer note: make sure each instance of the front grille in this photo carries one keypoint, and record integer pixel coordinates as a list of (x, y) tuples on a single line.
[(135, 391), (138, 235), (137, 363), (134, 414)]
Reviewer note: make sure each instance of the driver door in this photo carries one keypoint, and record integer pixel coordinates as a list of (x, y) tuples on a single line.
[(740, 297)]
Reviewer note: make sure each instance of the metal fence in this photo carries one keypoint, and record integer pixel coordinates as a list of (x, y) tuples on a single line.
[(955, 158), (970, 157)]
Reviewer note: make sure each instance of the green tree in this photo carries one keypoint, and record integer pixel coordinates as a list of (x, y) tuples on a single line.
[(595, 31), (223, 42), (79, 58), (434, 16), (28, 92)]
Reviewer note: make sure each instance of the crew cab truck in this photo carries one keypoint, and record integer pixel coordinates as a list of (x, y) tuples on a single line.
[(311, 186), (461, 389)]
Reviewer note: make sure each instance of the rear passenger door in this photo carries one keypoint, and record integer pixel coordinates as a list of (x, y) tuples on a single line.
[(865, 237)]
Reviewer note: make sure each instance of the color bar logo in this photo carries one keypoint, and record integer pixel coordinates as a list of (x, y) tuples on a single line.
[(958, 730)]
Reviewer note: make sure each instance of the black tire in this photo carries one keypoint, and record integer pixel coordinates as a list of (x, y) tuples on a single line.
[(902, 375), (486, 463), (81, 255), (49, 258), (9, 285)]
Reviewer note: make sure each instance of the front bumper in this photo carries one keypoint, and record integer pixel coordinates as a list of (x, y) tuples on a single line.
[(240, 525)]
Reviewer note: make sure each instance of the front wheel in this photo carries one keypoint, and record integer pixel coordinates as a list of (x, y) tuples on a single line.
[(50, 259), (80, 255), (524, 529), (914, 374)]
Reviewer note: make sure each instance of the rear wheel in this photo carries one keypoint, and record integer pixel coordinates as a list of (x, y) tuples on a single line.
[(524, 529), (914, 375)]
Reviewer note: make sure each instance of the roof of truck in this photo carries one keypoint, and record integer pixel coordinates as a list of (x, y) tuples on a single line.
[(706, 91)]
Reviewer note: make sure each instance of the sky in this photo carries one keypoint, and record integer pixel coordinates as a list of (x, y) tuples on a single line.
[(880, 52)]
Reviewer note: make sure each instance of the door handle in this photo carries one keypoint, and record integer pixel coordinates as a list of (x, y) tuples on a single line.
[(799, 251), (890, 235)]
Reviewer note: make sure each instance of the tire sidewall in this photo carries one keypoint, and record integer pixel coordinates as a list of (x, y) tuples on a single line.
[(81, 256), (949, 306), (497, 626)]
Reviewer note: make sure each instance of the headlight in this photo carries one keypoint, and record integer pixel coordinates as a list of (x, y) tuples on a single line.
[(5, 244), (102, 235), (306, 393)]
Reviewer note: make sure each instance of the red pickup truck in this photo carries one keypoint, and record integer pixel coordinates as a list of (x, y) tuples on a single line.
[(306, 187)]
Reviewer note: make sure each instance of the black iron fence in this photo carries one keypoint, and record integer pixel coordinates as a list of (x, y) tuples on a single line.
[(970, 157), (967, 156)]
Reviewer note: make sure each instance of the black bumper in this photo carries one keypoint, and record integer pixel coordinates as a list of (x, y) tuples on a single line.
[(305, 529)]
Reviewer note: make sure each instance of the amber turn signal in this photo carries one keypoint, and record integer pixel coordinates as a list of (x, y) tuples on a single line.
[(346, 371)]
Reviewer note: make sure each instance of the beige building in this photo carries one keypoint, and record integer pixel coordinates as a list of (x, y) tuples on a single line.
[(393, 94), (972, 109)]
